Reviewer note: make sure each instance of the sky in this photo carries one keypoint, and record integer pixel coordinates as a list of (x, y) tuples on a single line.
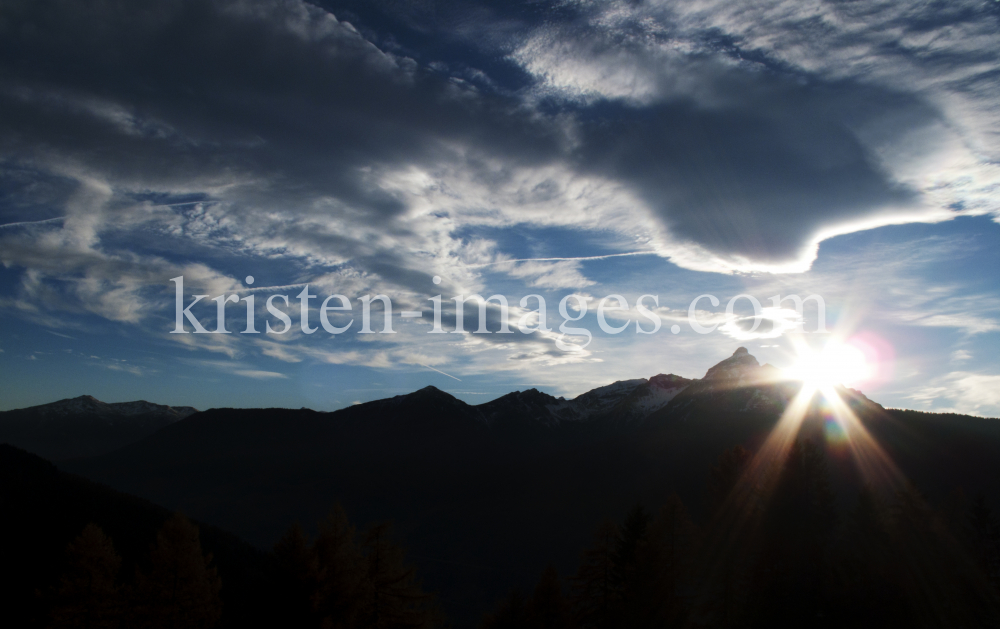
[(849, 150)]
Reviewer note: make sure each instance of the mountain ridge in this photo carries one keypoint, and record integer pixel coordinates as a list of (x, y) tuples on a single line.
[(85, 426), (474, 485)]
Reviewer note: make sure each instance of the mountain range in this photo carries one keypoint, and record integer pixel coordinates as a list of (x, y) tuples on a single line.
[(85, 426), (486, 495)]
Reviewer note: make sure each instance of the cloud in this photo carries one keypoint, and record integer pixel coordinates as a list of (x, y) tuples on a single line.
[(235, 367), (960, 355), (258, 374), (553, 275), (719, 155), (139, 142), (964, 392), (132, 369), (772, 323), (752, 133)]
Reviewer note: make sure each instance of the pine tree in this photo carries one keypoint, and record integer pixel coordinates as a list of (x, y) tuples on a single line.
[(663, 565), (181, 589), (89, 596), (511, 613), (341, 571), (630, 580), (596, 589), (392, 598), (548, 609), (297, 579)]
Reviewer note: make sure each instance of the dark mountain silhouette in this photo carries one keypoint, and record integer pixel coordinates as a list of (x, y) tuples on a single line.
[(487, 495), (85, 426)]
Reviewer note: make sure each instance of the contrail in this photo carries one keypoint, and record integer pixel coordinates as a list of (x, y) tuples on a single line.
[(603, 257), (47, 220), (257, 289), (440, 372)]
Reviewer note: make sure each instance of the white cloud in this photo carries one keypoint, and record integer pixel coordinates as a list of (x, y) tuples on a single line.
[(258, 374), (960, 355), (963, 392), (552, 275)]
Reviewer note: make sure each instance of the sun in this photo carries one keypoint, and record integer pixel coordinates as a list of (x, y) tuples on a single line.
[(836, 364)]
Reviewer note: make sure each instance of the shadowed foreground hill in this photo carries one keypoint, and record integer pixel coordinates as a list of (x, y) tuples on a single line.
[(486, 495), (45, 509)]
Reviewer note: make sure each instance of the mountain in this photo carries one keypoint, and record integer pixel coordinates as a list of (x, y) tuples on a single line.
[(486, 495), (622, 401), (85, 426)]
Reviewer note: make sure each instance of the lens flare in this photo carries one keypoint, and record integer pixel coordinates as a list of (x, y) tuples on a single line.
[(837, 363)]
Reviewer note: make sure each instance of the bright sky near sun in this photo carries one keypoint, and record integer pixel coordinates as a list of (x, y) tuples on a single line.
[(363, 147)]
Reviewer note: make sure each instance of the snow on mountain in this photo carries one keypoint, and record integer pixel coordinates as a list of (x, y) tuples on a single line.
[(85, 425), (89, 405), (597, 401), (140, 407), (624, 400)]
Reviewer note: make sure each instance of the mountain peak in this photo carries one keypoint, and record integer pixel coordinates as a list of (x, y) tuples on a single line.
[(428, 393), (738, 366), (668, 381)]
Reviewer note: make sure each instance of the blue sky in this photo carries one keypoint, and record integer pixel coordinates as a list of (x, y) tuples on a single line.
[(840, 149)]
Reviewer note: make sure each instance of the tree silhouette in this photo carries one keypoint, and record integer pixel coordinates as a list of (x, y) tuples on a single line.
[(391, 596), (511, 613), (662, 567), (342, 576), (548, 608), (596, 587), (89, 595), (632, 578), (297, 580), (181, 588)]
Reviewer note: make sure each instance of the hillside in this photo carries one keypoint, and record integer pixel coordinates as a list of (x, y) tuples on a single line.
[(44, 509)]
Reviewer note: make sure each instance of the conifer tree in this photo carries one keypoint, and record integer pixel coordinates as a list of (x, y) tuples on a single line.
[(596, 590), (391, 596), (663, 564), (297, 579), (341, 571), (181, 589), (632, 582), (89, 596), (511, 613), (548, 608)]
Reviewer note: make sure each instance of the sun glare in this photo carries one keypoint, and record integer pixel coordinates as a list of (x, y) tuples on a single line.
[(836, 364)]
